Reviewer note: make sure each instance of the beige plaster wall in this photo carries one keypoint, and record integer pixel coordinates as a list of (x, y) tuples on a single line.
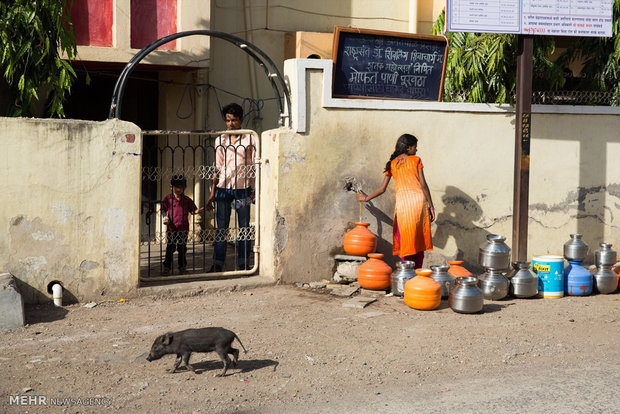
[(70, 209), (468, 158)]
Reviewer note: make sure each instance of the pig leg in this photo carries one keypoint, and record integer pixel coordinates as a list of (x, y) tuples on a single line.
[(224, 357), (235, 353), (186, 361), (176, 363)]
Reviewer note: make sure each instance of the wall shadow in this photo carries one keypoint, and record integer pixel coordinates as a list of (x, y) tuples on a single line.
[(458, 221), (43, 313), (39, 307), (383, 246), (33, 295)]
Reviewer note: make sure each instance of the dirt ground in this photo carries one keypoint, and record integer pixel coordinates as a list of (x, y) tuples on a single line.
[(309, 353)]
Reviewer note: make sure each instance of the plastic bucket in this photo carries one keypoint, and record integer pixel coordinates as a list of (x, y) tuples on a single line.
[(550, 271)]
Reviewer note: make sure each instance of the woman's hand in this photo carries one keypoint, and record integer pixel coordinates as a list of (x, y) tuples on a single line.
[(431, 211), (361, 197)]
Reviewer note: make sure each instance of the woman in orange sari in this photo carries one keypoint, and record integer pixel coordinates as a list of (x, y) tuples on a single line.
[(414, 211)]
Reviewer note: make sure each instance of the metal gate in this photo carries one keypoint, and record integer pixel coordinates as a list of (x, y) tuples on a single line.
[(223, 239)]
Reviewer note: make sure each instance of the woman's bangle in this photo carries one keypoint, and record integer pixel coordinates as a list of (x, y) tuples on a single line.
[(365, 199)]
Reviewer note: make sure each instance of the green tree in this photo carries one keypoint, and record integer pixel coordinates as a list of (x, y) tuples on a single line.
[(601, 60), (34, 36), (481, 67)]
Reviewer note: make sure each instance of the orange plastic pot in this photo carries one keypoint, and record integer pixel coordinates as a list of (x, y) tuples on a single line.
[(374, 274), (457, 270), (422, 292), (360, 241)]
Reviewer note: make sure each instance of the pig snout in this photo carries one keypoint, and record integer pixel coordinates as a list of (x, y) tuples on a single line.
[(160, 347), (152, 357)]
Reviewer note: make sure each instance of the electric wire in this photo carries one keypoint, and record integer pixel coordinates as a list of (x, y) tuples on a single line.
[(325, 14)]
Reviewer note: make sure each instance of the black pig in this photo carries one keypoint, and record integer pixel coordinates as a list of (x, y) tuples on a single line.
[(183, 343)]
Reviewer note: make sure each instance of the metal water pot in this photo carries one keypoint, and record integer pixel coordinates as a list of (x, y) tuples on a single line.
[(446, 280), (523, 280), (605, 256), (575, 248), (605, 279), (403, 272), (493, 284), (494, 254), (465, 296)]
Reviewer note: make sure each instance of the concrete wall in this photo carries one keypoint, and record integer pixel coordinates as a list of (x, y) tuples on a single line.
[(468, 156), (70, 208)]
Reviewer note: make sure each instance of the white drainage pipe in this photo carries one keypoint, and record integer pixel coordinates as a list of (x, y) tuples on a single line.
[(57, 294)]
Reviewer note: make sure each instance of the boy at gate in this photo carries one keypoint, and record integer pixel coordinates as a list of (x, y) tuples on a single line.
[(177, 206), (232, 187)]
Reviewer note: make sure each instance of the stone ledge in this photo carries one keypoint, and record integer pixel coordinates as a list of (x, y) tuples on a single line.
[(11, 303), (350, 258), (195, 288)]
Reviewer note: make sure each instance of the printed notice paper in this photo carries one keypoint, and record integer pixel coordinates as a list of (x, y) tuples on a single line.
[(540, 17)]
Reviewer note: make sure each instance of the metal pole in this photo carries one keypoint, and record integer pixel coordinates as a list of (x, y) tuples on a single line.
[(522, 147)]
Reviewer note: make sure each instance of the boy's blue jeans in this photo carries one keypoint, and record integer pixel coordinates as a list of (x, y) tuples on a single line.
[(225, 198)]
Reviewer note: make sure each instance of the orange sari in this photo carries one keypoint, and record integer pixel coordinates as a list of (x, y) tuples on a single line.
[(412, 221)]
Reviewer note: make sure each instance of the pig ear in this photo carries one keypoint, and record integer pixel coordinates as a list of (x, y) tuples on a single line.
[(167, 339)]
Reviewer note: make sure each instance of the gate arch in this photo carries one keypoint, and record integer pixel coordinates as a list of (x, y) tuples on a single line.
[(271, 71)]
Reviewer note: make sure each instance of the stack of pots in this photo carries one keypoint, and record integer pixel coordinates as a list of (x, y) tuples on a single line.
[(494, 257), (578, 281), (605, 280), (523, 281)]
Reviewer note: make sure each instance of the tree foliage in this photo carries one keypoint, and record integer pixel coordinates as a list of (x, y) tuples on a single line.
[(34, 35), (481, 67), (601, 60)]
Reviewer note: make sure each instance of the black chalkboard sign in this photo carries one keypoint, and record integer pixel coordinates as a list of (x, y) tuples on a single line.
[(380, 64)]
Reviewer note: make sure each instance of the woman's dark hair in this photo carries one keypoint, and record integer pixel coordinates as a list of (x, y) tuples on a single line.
[(403, 143), (233, 109)]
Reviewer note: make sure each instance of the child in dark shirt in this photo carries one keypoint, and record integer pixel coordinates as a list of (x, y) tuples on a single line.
[(177, 206)]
